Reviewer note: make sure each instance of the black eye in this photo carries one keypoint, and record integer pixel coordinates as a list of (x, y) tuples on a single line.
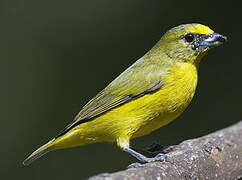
[(189, 37)]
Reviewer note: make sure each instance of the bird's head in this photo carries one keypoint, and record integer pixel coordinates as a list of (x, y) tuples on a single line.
[(190, 42)]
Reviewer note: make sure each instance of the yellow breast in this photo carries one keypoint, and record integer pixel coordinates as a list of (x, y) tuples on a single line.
[(171, 100)]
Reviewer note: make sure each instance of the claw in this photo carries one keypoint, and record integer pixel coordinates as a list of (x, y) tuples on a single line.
[(160, 157), (135, 165)]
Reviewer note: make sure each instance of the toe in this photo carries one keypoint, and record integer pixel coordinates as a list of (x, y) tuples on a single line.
[(135, 165), (160, 157)]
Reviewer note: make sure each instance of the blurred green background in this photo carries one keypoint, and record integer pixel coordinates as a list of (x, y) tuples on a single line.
[(56, 55)]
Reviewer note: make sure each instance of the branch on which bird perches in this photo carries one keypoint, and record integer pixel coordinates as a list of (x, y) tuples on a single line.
[(214, 156)]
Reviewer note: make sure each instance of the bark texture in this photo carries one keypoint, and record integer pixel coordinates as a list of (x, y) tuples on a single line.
[(214, 156)]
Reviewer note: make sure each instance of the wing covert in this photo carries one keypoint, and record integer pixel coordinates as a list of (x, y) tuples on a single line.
[(131, 84)]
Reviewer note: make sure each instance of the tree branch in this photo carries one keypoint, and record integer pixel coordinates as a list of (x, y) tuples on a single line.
[(214, 156)]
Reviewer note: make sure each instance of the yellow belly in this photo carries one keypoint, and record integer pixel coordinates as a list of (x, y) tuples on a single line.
[(141, 116)]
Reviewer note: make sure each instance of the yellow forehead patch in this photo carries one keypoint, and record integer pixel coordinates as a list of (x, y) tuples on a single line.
[(200, 29)]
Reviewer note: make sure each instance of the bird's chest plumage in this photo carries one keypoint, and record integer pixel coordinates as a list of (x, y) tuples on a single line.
[(171, 100), (179, 87)]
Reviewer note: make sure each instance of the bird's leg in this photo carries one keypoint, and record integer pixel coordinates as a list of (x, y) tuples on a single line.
[(124, 144), (144, 159)]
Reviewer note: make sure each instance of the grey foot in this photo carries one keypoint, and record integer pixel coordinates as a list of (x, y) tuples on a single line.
[(144, 159), (135, 165), (158, 157)]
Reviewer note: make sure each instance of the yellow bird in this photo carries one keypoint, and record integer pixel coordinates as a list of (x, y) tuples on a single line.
[(152, 92)]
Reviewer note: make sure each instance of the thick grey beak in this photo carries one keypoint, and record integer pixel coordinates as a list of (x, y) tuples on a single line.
[(213, 40)]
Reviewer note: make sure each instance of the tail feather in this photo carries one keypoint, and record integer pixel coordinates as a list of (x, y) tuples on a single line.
[(38, 153)]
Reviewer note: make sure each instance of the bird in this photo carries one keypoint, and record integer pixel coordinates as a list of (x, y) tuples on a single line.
[(149, 94)]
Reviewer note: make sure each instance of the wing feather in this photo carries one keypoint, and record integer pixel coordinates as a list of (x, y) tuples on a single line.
[(131, 84)]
